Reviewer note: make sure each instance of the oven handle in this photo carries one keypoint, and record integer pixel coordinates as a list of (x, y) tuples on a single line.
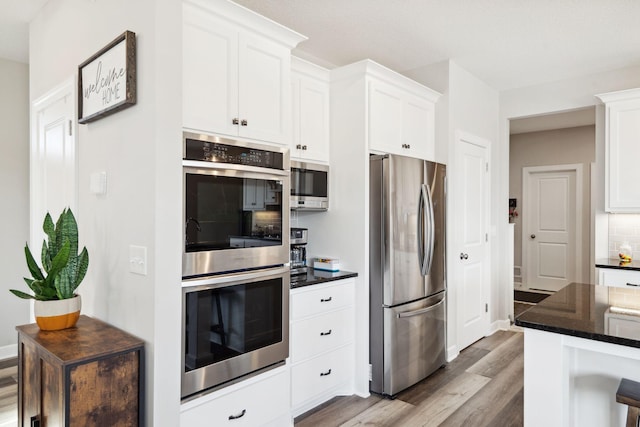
[(232, 168), (212, 282)]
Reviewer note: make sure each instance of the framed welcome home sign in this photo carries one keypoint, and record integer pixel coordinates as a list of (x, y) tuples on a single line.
[(107, 80)]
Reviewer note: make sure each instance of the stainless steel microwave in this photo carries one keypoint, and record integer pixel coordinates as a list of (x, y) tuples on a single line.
[(309, 186)]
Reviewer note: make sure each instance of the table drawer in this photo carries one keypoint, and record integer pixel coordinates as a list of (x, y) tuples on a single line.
[(253, 405), (320, 374), (619, 278), (317, 299), (315, 335)]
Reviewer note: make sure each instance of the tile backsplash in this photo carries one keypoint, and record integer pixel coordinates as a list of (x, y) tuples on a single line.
[(624, 228)]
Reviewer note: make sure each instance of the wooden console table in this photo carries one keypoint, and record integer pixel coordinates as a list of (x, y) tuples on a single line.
[(88, 375)]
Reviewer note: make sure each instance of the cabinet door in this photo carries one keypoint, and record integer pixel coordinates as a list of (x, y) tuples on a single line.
[(264, 91), (623, 152), (311, 120), (418, 127), (210, 74), (619, 278), (385, 118)]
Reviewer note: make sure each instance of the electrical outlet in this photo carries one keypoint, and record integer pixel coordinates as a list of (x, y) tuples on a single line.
[(138, 259)]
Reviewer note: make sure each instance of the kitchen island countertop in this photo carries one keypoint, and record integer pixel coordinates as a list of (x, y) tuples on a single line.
[(313, 277), (581, 310)]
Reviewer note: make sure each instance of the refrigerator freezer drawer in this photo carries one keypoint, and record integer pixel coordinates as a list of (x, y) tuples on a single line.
[(414, 344)]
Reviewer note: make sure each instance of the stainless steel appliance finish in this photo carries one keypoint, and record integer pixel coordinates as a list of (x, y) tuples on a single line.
[(298, 257), (233, 325), (234, 214), (309, 186), (407, 271)]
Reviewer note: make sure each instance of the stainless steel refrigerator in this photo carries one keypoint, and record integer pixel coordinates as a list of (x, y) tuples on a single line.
[(407, 275)]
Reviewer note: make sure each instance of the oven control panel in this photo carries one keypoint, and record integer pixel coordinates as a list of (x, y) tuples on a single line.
[(235, 154)]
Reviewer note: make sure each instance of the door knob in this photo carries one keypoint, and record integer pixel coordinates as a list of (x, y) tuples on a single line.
[(533, 236)]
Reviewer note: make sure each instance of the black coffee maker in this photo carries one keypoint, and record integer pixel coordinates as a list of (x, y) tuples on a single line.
[(298, 253)]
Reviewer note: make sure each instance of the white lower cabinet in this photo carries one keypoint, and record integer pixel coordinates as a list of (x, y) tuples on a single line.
[(619, 278), (322, 343), (263, 400)]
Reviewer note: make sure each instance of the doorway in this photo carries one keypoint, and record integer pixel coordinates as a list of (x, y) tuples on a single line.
[(544, 142)]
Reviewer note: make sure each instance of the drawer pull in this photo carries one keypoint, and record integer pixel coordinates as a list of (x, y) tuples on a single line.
[(632, 284), (323, 334), (326, 299), (235, 417), (324, 374)]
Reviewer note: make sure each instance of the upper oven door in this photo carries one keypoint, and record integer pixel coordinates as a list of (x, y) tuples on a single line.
[(235, 218)]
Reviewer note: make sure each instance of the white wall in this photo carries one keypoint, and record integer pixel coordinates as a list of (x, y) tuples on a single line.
[(14, 193), (546, 148), (139, 148)]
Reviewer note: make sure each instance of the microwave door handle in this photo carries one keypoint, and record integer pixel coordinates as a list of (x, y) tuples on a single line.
[(430, 229)]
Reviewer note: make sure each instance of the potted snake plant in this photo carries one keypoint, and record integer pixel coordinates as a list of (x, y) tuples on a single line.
[(57, 306)]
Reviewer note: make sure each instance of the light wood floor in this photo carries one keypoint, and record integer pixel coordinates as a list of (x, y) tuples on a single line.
[(8, 393), (483, 386)]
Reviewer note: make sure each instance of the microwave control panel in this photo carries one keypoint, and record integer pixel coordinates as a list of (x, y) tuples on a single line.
[(234, 154)]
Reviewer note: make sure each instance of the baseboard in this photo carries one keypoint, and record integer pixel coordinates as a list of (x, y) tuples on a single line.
[(499, 325), (9, 351), (452, 353)]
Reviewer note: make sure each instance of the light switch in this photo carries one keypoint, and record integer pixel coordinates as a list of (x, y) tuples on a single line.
[(138, 259), (98, 183)]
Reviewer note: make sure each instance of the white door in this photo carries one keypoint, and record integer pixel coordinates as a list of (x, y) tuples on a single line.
[(53, 159), (471, 239), (551, 226)]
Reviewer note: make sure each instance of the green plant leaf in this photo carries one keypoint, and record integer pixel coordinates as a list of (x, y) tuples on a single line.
[(83, 265), (49, 230), (59, 262), (21, 294), (31, 263), (45, 256), (63, 286)]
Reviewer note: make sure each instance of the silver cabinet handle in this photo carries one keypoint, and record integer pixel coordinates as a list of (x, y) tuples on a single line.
[(298, 147), (240, 415), (326, 299), (632, 284), (235, 121), (243, 123), (304, 147), (324, 374), (464, 256), (324, 334)]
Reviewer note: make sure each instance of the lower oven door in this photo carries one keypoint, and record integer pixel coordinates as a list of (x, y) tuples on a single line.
[(233, 325)]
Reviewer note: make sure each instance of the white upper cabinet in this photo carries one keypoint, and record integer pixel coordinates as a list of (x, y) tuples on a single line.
[(236, 72), (622, 150), (310, 89), (401, 117)]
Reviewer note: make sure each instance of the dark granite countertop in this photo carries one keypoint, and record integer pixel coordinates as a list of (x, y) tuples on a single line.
[(313, 277), (581, 310), (616, 264)]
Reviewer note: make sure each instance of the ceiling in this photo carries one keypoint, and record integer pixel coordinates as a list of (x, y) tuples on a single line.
[(14, 27), (506, 43)]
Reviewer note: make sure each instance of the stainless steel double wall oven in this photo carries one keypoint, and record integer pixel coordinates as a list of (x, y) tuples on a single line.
[(235, 288)]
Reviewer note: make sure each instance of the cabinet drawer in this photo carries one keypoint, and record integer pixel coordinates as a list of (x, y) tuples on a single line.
[(619, 278), (253, 405), (321, 298), (314, 377), (315, 335)]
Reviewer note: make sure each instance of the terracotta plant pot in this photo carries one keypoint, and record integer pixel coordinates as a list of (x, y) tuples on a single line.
[(57, 314)]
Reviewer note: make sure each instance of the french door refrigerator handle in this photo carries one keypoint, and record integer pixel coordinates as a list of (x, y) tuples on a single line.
[(421, 311), (421, 229), (425, 230)]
